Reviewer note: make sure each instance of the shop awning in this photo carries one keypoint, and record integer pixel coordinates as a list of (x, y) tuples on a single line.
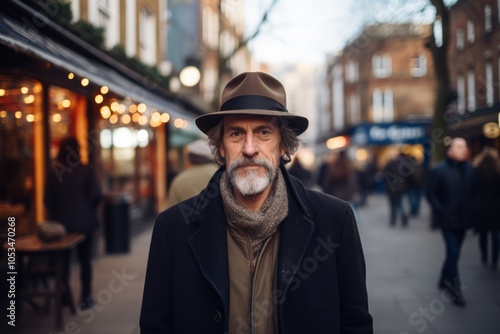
[(25, 38)]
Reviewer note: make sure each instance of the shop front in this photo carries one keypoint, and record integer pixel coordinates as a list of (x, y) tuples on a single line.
[(372, 145), (53, 85), (480, 128)]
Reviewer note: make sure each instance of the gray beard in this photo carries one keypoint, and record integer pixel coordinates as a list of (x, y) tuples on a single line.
[(252, 183)]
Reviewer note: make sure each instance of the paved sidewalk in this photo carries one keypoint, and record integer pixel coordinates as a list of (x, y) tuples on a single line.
[(403, 266), (118, 286), (402, 271)]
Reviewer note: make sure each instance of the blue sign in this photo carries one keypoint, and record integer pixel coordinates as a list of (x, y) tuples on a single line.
[(389, 133)]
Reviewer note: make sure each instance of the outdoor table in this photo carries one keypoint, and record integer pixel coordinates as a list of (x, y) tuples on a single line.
[(31, 247)]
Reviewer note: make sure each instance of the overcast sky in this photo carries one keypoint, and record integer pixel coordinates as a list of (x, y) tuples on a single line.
[(306, 30)]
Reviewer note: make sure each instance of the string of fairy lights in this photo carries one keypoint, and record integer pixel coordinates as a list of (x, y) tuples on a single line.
[(113, 110)]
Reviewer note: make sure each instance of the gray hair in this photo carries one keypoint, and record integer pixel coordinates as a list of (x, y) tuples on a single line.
[(289, 140)]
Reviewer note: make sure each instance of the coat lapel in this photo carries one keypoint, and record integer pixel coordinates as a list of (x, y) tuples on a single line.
[(209, 242), (295, 235)]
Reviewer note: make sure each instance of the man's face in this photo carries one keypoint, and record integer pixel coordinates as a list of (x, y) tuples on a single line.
[(251, 147), (458, 150)]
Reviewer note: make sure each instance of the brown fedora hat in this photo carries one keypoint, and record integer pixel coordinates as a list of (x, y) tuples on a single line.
[(254, 94)]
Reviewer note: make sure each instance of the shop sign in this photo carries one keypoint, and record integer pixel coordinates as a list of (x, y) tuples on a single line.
[(389, 133)]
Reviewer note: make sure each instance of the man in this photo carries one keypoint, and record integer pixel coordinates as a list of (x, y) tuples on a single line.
[(72, 196), (255, 251), (197, 174), (452, 195), (396, 184)]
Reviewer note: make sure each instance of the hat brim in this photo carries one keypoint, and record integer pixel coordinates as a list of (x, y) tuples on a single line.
[(297, 123)]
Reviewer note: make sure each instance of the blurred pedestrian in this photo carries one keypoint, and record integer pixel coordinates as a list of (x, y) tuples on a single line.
[(195, 177), (366, 179), (341, 179), (416, 182), (72, 196), (322, 171), (230, 259), (452, 194), (396, 173), (487, 165), (300, 172)]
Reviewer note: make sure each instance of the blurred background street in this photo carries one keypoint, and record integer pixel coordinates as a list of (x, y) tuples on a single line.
[(385, 85), (402, 271)]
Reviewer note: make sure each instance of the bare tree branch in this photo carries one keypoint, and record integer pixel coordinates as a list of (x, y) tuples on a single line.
[(244, 42)]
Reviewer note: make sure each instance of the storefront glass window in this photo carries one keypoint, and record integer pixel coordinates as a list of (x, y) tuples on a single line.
[(67, 117), (20, 112), (127, 158)]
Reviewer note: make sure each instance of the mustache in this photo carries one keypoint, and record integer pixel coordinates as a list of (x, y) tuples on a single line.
[(246, 161)]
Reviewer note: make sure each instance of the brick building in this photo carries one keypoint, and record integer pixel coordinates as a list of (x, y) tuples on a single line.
[(474, 61), (383, 79)]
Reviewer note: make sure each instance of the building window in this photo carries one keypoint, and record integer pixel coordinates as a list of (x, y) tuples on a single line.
[(210, 28), (461, 94), (106, 15), (354, 109), (20, 113), (487, 18), (460, 39), (382, 66), (419, 66), (338, 98), (489, 84), (470, 32), (352, 71), (147, 37), (75, 9), (103, 13), (471, 91), (130, 28), (383, 106)]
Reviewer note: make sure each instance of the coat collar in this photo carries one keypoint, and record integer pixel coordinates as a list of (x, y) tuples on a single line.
[(209, 242)]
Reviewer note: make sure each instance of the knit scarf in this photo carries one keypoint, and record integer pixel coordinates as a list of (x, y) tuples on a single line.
[(261, 224)]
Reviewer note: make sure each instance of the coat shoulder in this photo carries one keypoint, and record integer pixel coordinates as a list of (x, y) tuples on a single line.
[(320, 205)]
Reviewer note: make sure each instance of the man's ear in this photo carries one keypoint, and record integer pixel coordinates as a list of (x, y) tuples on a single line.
[(282, 151)]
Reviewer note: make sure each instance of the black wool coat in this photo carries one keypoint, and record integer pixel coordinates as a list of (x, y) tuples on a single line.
[(452, 192), (320, 284), (72, 196)]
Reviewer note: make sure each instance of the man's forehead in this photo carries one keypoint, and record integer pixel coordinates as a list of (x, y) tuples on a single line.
[(252, 120)]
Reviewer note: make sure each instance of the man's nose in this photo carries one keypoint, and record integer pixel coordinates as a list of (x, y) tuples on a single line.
[(250, 148)]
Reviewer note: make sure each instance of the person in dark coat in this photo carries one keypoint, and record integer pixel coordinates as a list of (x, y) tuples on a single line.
[(72, 195), (453, 195), (487, 165), (255, 251), (396, 177), (300, 172), (341, 179)]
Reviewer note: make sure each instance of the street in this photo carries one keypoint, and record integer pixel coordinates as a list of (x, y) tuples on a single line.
[(403, 266)]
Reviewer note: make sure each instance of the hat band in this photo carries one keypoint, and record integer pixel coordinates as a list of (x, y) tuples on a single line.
[(252, 102)]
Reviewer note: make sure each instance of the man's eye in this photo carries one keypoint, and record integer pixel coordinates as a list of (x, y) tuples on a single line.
[(265, 132), (235, 134)]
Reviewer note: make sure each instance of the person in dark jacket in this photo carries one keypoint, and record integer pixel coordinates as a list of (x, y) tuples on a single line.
[(255, 251), (341, 179), (72, 196), (396, 175), (300, 172), (487, 165), (452, 194)]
